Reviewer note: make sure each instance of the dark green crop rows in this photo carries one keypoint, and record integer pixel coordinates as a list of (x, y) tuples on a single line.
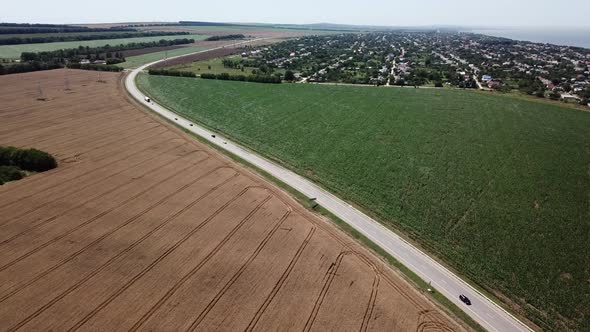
[(497, 187)]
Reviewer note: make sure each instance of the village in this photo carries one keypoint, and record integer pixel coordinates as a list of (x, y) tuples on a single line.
[(432, 59)]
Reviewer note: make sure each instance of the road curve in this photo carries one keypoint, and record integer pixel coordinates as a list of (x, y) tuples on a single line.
[(488, 314)]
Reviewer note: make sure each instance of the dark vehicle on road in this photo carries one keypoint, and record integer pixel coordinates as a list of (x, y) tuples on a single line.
[(464, 299)]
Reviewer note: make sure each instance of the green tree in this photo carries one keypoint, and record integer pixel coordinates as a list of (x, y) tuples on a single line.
[(555, 95), (9, 173), (289, 76)]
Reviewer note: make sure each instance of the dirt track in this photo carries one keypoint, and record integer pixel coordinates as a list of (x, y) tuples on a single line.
[(142, 228)]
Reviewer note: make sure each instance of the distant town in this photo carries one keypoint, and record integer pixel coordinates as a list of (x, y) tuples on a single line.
[(432, 59)]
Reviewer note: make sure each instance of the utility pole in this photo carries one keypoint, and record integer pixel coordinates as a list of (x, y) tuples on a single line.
[(40, 91), (67, 80)]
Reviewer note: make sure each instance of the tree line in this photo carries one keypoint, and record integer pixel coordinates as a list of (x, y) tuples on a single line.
[(226, 37), (244, 78), (91, 66), (21, 28), (76, 54), (27, 67), (223, 76), (67, 38), (168, 72), (182, 23), (36, 61), (229, 63)]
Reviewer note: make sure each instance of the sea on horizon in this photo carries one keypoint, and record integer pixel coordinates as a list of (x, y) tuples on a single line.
[(579, 37)]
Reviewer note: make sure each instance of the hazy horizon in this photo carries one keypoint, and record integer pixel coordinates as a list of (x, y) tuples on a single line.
[(462, 13)]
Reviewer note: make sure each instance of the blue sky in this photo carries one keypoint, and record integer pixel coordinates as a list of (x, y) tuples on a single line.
[(371, 12)]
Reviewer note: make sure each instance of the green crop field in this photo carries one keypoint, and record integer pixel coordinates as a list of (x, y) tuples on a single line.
[(216, 65), (496, 186), (14, 51), (138, 60)]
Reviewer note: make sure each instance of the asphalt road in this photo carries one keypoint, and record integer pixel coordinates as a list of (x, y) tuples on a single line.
[(483, 310)]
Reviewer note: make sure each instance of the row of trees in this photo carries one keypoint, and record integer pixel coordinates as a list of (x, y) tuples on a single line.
[(234, 64), (21, 28), (35, 61), (77, 37), (183, 23), (76, 54), (31, 66), (243, 78), (90, 66), (226, 37), (167, 72), (27, 67)]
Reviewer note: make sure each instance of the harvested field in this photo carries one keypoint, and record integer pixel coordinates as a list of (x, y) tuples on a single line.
[(249, 31), (143, 51), (201, 43), (153, 55), (142, 228), (213, 54)]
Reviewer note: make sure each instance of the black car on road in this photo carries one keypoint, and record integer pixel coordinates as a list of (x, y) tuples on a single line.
[(464, 299)]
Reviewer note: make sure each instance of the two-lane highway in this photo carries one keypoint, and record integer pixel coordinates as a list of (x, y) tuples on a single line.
[(488, 314)]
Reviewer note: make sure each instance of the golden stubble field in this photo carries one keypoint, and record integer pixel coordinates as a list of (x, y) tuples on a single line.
[(143, 228)]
